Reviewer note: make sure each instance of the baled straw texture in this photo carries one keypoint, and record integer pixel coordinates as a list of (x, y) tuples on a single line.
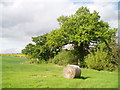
[(72, 71)]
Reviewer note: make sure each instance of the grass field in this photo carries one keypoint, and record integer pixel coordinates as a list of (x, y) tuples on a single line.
[(17, 74)]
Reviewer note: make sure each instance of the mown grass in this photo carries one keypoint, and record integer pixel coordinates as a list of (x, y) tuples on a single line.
[(20, 75)]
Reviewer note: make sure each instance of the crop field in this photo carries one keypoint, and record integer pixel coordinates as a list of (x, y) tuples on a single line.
[(16, 55), (16, 73)]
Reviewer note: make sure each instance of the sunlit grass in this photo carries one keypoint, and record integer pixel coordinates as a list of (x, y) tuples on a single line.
[(23, 75)]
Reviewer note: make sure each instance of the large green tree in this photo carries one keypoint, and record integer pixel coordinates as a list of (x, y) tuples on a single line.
[(81, 29)]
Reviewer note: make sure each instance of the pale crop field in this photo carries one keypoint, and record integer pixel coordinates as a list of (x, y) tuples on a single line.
[(16, 55)]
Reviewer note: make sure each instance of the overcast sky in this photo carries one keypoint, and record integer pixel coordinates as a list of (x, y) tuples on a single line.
[(22, 19)]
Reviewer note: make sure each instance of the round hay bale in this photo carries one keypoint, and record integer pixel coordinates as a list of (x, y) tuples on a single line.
[(72, 71)]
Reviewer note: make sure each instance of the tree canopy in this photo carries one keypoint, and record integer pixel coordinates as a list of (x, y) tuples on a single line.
[(81, 29)]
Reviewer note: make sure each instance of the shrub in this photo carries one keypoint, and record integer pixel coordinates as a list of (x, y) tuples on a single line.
[(100, 60), (115, 53), (64, 57)]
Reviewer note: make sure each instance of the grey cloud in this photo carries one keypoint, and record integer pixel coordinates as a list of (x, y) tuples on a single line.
[(10, 21), (23, 19), (32, 18), (6, 2)]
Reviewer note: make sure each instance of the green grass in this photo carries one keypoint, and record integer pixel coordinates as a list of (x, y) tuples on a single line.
[(16, 75)]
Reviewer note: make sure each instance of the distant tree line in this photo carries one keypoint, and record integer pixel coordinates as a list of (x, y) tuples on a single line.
[(80, 29)]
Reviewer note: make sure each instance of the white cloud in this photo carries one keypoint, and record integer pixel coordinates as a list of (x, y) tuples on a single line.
[(23, 19), (10, 50), (107, 10)]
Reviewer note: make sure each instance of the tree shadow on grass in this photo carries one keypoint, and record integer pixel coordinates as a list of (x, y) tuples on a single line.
[(82, 77)]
